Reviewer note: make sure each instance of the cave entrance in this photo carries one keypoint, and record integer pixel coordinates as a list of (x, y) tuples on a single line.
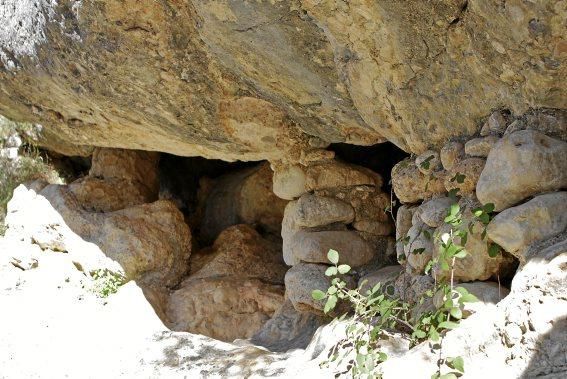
[(380, 158), (235, 286)]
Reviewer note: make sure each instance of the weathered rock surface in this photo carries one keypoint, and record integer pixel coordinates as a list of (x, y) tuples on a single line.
[(403, 225), (243, 197), (313, 211), (224, 308), (302, 279), (288, 329), (240, 251), (313, 246), (267, 67), (419, 248), (386, 276), (434, 211), (522, 164), (477, 264), (480, 147), (150, 242), (539, 219), (411, 186), (464, 175)]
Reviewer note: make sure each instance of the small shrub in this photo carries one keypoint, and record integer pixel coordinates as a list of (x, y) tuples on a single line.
[(106, 282)]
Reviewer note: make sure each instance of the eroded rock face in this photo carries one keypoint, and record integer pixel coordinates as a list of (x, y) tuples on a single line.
[(541, 218), (234, 287), (242, 197), (522, 164), (224, 308), (273, 71)]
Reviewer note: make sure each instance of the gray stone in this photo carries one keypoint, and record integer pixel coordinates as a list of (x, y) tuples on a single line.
[(313, 246), (289, 181), (302, 279), (540, 218), (520, 165), (411, 185), (496, 124), (313, 210), (451, 153), (480, 147), (419, 248), (403, 225), (434, 211)]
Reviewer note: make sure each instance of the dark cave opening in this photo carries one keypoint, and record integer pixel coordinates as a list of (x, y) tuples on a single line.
[(379, 158)]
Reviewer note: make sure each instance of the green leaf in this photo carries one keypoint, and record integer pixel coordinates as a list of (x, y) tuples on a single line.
[(488, 207), (478, 211), (493, 250), (448, 325), (484, 218), (453, 193), (418, 251), (332, 290), (419, 334), (331, 271), (333, 256), (454, 209), (330, 304), (461, 254), (318, 295), (456, 363), (343, 269), (456, 313), (449, 375), (460, 178), (434, 335), (468, 298)]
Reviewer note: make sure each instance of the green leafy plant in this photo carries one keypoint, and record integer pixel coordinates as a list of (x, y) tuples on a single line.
[(106, 282)]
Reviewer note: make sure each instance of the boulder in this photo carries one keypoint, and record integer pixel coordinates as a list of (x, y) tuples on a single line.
[(109, 195), (148, 242), (419, 248), (241, 197), (132, 165), (495, 125), (224, 308), (464, 175), (480, 147), (288, 329), (313, 246), (376, 228), (289, 181), (434, 211), (403, 225), (336, 174), (520, 165), (240, 251), (486, 293), (313, 211), (538, 219), (411, 186), (302, 279), (451, 153), (428, 162), (477, 264), (386, 276)]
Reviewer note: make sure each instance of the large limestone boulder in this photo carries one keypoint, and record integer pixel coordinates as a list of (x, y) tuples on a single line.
[(242, 197), (240, 251), (224, 308), (522, 164), (234, 287), (539, 219), (118, 179), (274, 72), (148, 242)]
